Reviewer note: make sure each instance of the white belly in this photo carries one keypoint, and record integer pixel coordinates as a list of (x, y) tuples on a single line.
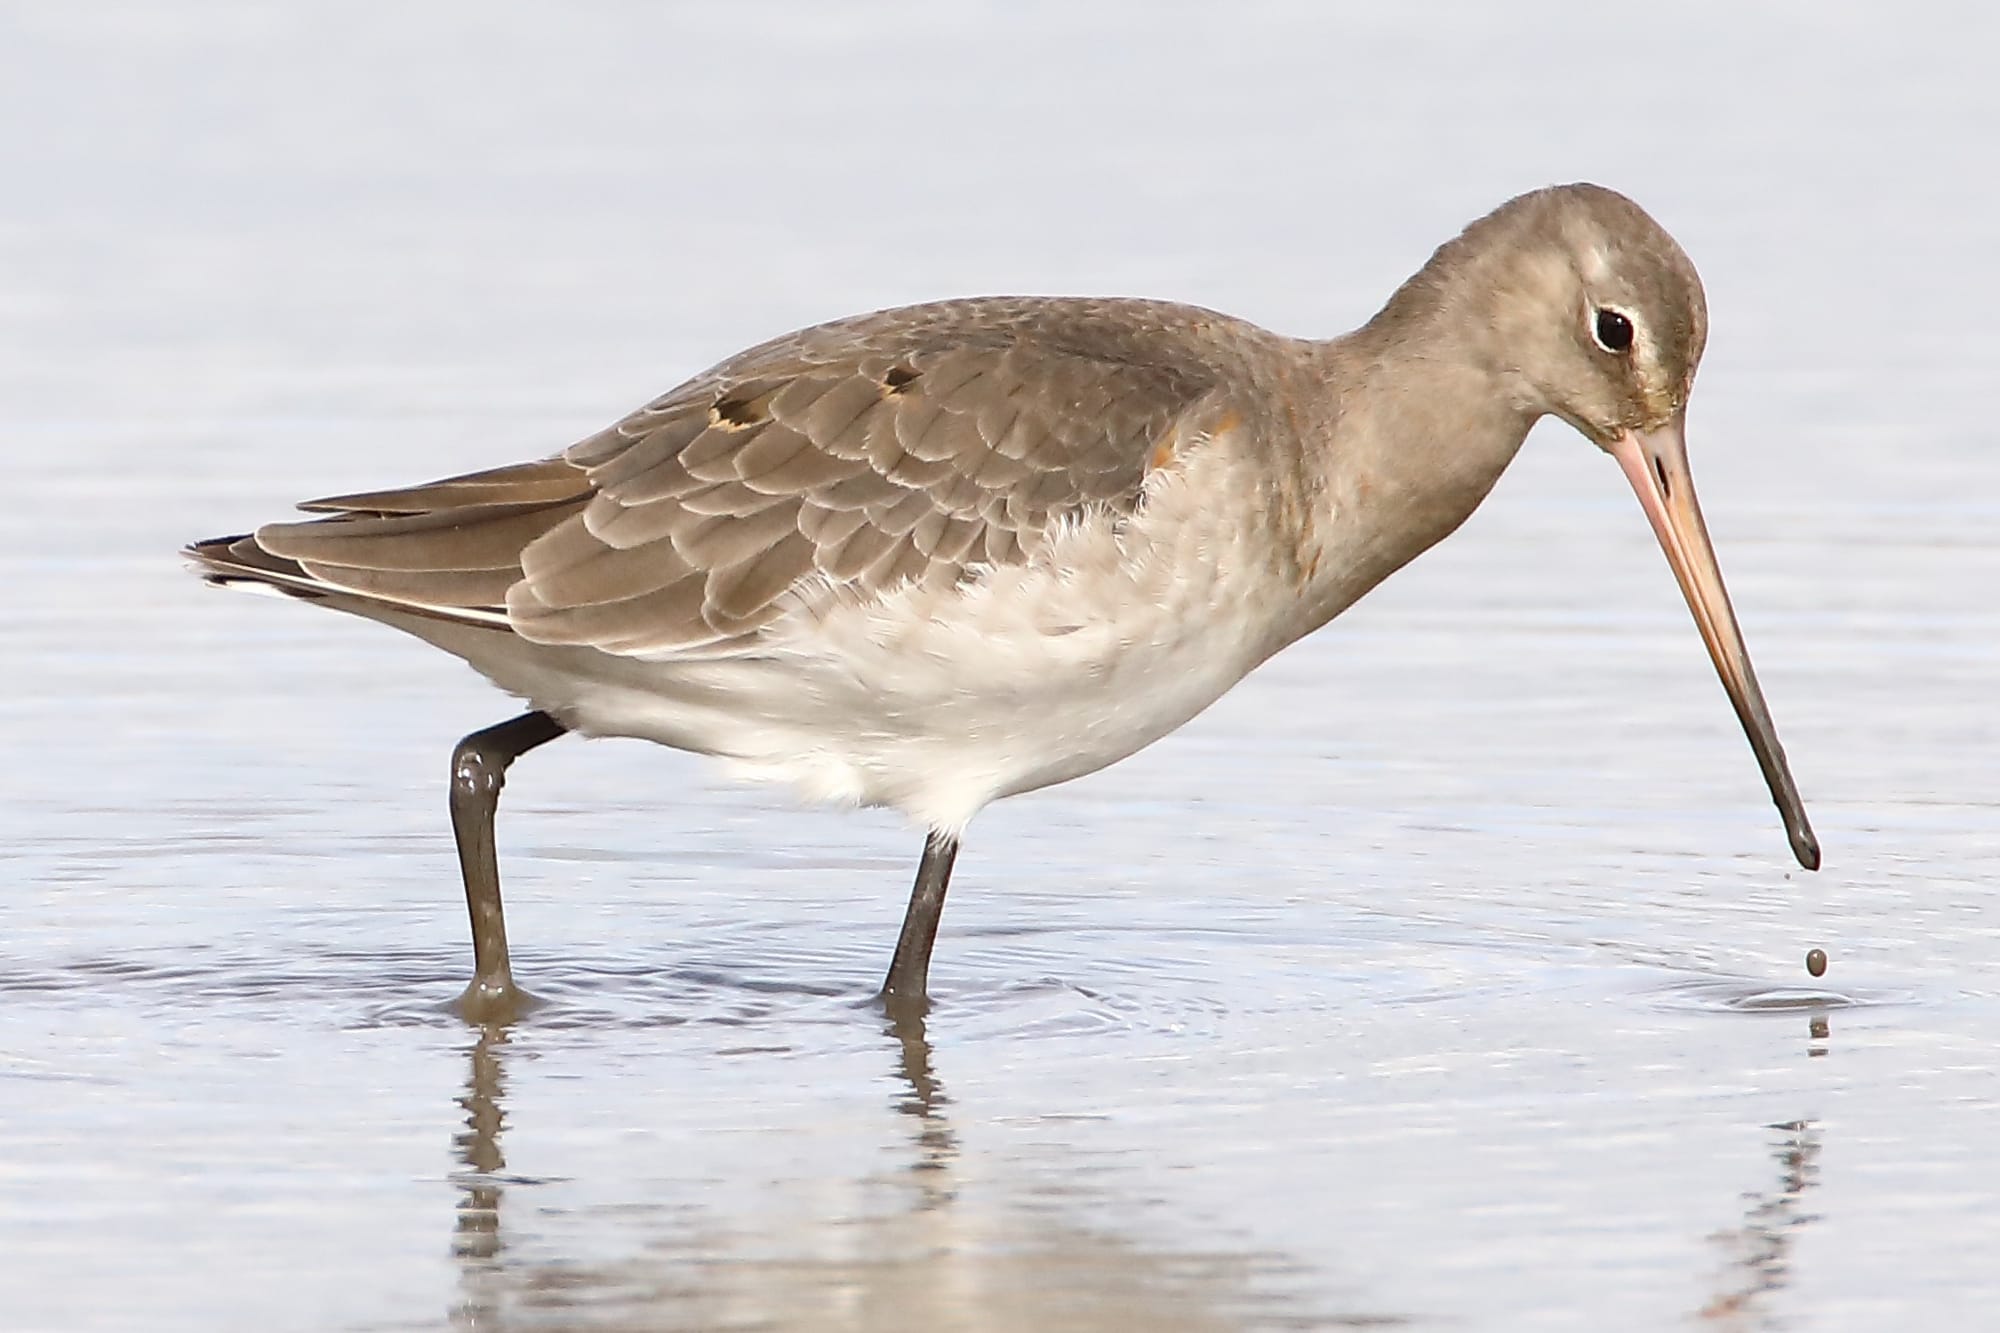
[(937, 701)]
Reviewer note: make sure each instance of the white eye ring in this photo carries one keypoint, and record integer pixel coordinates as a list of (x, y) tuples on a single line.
[(1613, 330)]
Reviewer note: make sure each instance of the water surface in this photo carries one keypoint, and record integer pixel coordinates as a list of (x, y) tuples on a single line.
[(1447, 974)]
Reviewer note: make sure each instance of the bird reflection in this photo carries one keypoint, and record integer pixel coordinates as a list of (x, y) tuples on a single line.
[(476, 1238), (947, 1257), (478, 1244), (1761, 1249), (936, 1141)]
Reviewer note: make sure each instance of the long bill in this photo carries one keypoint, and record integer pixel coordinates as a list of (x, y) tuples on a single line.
[(1655, 462)]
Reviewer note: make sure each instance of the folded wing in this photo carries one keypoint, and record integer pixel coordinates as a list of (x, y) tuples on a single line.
[(910, 445)]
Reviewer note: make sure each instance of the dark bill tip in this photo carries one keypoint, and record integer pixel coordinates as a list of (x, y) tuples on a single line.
[(1805, 846)]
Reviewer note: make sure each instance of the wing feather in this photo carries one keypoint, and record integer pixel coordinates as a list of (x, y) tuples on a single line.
[(916, 444)]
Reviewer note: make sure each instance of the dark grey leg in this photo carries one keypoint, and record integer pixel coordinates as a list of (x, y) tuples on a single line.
[(478, 771), (911, 966)]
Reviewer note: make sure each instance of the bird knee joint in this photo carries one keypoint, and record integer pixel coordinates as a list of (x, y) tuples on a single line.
[(475, 772)]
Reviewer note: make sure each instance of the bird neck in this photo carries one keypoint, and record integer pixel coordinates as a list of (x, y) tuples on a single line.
[(1416, 431)]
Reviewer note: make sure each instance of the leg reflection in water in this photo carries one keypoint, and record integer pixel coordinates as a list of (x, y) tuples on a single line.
[(1761, 1249), (936, 1142), (476, 1240)]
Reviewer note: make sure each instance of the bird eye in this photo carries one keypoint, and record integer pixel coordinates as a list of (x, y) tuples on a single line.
[(1612, 330)]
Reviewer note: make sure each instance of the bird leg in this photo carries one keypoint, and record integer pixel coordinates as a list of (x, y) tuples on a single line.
[(911, 965), (478, 771)]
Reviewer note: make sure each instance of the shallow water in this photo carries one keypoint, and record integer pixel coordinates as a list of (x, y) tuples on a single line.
[(1447, 974)]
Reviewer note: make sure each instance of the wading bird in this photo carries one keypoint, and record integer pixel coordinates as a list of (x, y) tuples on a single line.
[(930, 557)]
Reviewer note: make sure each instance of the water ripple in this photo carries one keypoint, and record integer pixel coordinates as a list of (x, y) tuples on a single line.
[(1757, 995)]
